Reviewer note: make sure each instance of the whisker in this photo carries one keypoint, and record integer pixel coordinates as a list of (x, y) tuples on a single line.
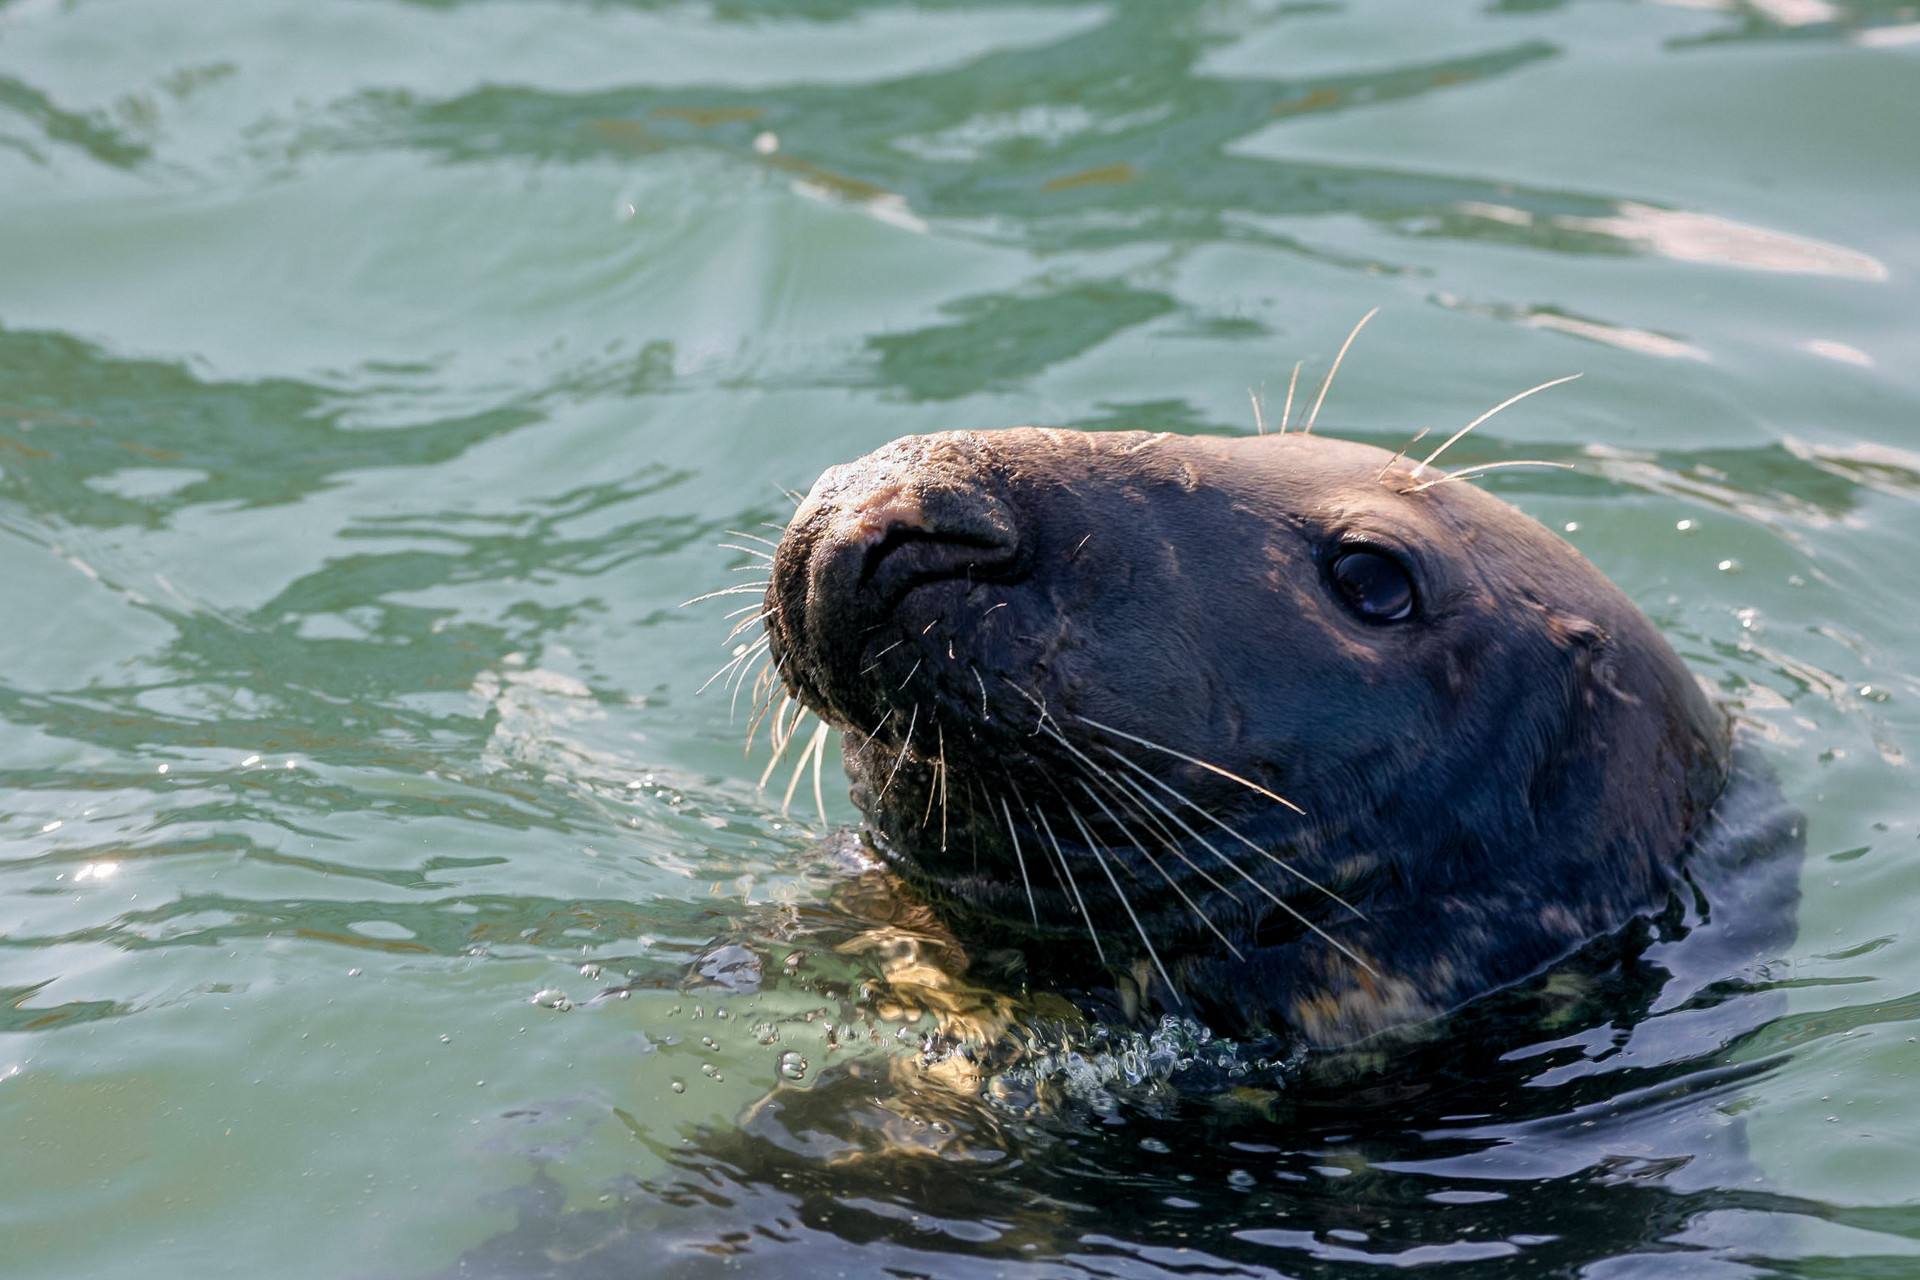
[(763, 703), (1108, 777), (775, 742), (1020, 858), (910, 675), (1327, 381), (1275, 898), (1468, 473), (1403, 453), (941, 731), (1285, 866), (905, 748), (740, 590), (741, 533), (1448, 443), (883, 653), (762, 679), (1195, 760), (1171, 882), (732, 662), (1120, 786), (749, 551), (1138, 928), (1086, 916), (800, 765), (745, 623), (1286, 414), (1259, 414)]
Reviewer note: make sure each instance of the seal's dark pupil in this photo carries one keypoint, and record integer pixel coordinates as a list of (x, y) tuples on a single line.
[(1374, 586)]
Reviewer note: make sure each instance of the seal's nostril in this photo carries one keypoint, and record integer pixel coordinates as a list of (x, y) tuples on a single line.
[(907, 556)]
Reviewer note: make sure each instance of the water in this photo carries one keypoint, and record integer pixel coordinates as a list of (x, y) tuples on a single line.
[(377, 378)]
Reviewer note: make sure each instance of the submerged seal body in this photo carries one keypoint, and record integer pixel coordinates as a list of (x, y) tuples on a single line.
[(1279, 730)]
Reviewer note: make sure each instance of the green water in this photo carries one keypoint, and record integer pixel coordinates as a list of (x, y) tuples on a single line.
[(377, 378)]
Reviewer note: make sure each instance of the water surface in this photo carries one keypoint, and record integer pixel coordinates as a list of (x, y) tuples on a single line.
[(378, 378)]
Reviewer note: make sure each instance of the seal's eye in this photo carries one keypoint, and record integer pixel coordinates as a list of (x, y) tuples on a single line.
[(1373, 585)]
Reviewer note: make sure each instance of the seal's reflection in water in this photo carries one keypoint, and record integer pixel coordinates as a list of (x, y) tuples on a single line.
[(1591, 1114)]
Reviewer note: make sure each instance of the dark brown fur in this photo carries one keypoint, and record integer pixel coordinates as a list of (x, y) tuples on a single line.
[(1001, 622)]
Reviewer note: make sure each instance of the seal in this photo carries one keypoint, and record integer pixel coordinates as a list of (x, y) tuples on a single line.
[(1281, 731)]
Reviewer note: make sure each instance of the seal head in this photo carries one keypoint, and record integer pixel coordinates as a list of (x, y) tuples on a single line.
[(1279, 730)]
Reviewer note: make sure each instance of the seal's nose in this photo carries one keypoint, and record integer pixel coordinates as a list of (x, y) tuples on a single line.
[(921, 511), (916, 512), (908, 536)]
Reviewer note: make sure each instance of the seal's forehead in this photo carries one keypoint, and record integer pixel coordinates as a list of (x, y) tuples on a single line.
[(1335, 487)]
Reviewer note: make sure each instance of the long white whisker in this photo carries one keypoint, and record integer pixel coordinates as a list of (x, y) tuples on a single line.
[(1275, 898), (1020, 858), (1138, 928), (1403, 453), (1286, 414), (906, 746), (1285, 866), (741, 533), (1195, 760), (819, 748), (817, 743), (1327, 381), (1171, 882), (1468, 473), (740, 590), (1107, 777), (1448, 442), (1086, 916)]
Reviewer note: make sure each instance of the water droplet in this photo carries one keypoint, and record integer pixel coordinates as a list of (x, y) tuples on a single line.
[(792, 1065), (766, 142), (590, 971), (765, 1032), (1156, 1146), (552, 998), (678, 1086)]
